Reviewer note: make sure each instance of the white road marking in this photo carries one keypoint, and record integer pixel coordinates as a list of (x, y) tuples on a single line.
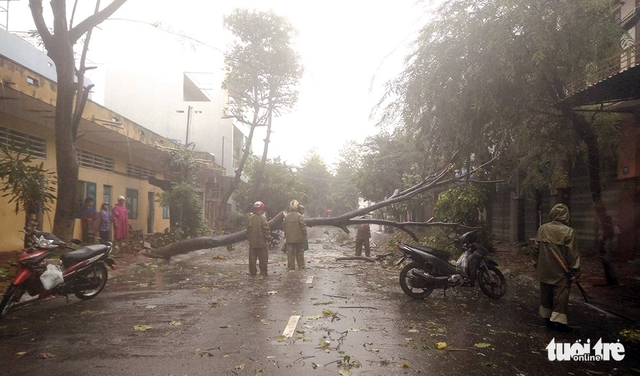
[(291, 326)]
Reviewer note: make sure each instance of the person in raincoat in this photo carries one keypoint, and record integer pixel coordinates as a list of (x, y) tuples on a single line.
[(555, 245), (295, 232), (105, 223), (89, 220), (120, 218), (363, 234), (258, 235)]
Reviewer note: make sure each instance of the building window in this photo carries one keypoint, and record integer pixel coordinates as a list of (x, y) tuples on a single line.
[(35, 146), (132, 203), (213, 190), (93, 160), (84, 189), (140, 172), (32, 81), (106, 195), (165, 212)]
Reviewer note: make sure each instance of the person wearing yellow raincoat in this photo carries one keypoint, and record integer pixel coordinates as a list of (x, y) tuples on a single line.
[(258, 236), (295, 232), (555, 284)]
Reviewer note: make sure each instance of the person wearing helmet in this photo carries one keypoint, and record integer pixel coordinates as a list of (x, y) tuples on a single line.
[(295, 232), (556, 249), (258, 237)]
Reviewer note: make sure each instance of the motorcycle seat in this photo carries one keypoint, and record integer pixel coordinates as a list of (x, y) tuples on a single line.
[(81, 254), (439, 253)]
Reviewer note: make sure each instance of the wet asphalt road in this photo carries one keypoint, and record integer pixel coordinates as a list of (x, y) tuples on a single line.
[(202, 314)]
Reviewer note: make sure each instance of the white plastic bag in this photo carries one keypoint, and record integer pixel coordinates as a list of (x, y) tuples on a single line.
[(462, 264), (51, 277)]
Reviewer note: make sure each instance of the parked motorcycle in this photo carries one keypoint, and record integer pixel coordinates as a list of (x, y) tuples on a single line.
[(276, 236), (430, 268), (83, 273)]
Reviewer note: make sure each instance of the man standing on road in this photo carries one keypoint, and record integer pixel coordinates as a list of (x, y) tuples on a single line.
[(295, 232), (363, 233), (555, 251), (258, 236)]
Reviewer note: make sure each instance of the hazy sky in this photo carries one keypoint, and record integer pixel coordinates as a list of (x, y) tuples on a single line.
[(349, 49)]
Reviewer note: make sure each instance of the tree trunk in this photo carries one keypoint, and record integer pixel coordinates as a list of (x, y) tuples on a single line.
[(66, 159), (222, 208), (438, 180), (59, 47), (257, 178), (586, 133)]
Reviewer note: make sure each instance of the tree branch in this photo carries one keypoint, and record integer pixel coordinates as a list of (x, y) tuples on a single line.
[(341, 221), (93, 20)]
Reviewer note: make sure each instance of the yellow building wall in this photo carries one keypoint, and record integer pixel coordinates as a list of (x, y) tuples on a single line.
[(12, 223)]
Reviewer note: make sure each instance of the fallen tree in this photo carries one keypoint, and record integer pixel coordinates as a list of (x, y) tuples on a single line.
[(443, 178)]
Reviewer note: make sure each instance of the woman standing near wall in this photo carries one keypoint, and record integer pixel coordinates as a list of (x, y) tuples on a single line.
[(120, 222)]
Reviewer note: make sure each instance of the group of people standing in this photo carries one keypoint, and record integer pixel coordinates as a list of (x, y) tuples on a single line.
[(259, 236), (98, 224)]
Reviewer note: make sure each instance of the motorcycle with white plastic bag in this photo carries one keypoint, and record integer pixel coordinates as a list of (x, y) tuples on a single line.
[(81, 272), (431, 268)]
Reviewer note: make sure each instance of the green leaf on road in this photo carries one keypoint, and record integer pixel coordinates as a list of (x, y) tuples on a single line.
[(142, 328), (482, 345)]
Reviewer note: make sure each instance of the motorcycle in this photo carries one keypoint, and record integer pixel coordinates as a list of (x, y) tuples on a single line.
[(276, 236), (430, 268), (84, 272)]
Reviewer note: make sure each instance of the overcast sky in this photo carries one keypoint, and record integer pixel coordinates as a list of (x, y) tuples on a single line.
[(349, 49)]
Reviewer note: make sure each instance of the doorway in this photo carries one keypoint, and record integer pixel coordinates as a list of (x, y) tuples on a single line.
[(151, 212)]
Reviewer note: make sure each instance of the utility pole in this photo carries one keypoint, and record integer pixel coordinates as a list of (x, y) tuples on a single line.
[(186, 137)]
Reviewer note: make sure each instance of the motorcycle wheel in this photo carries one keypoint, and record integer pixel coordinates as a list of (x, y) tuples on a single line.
[(492, 282), (410, 283), (11, 297), (91, 282)]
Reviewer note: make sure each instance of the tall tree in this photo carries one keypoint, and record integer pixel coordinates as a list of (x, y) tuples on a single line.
[(262, 71), (490, 74), (71, 95), (280, 184), (318, 182), (345, 193)]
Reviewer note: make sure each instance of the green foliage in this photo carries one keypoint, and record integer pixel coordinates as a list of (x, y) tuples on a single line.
[(261, 68), (184, 198), (234, 222), (441, 238), (344, 191), (484, 76), (462, 204), (185, 202), (169, 236), (387, 159), (280, 184), (29, 185), (318, 182)]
